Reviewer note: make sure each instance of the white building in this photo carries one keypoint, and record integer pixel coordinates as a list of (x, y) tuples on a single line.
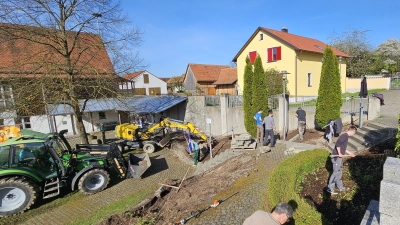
[(146, 83)]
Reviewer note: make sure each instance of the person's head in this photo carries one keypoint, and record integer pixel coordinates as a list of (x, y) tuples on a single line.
[(270, 113), (299, 108), (260, 110), (283, 212), (352, 130)]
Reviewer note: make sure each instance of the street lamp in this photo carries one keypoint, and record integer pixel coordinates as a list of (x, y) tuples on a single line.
[(284, 73), (97, 15)]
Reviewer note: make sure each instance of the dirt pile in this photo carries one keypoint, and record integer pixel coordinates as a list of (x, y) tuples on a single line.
[(195, 193)]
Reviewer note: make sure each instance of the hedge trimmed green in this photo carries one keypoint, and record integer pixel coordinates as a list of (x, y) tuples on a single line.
[(329, 99), (397, 148), (284, 184), (249, 122)]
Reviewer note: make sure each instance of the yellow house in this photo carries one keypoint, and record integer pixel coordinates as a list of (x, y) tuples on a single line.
[(302, 57)]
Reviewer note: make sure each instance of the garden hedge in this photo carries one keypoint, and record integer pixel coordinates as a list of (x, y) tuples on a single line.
[(284, 184), (397, 148)]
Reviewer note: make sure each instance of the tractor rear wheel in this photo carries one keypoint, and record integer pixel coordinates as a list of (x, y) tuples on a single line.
[(149, 148), (93, 181), (16, 195)]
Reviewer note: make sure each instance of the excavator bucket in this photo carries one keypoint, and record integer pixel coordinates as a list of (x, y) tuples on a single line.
[(138, 164), (165, 140)]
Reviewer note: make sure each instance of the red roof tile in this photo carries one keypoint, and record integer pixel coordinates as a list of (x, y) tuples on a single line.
[(227, 76), (205, 72), (164, 79), (133, 75), (22, 56), (295, 41)]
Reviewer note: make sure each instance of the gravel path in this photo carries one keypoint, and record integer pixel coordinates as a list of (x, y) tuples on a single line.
[(251, 196), (390, 110)]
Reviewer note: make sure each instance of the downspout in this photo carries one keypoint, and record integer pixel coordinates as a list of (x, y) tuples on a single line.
[(295, 74)]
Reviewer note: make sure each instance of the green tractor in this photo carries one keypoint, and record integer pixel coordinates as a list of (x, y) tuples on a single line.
[(37, 165)]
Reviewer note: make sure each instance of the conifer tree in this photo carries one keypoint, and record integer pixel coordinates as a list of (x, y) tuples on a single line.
[(249, 121), (260, 94), (329, 99)]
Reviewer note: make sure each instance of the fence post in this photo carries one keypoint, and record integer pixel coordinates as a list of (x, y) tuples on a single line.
[(224, 107)]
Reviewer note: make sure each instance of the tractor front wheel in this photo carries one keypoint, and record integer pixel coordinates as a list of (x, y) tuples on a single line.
[(149, 148), (93, 181), (16, 195)]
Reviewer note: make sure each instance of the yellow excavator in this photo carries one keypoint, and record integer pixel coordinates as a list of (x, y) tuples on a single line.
[(148, 137)]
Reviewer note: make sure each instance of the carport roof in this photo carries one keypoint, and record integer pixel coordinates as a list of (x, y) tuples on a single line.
[(136, 104)]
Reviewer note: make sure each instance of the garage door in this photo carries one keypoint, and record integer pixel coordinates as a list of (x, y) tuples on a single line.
[(155, 91)]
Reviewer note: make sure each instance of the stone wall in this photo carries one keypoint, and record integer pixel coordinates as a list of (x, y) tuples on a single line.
[(390, 192), (224, 118)]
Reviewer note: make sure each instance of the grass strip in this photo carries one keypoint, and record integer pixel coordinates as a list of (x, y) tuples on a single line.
[(114, 208), (285, 184)]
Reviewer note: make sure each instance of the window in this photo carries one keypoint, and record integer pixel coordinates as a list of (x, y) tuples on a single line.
[(146, 78), (25, 122), (274, 54), (261, 37), (4, 157), (102, 115), (309, 79), (140, 91), (252, 56)]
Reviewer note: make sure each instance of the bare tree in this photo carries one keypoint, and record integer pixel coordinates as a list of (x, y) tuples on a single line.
[(58, 50), (356, 44), (175, 84)]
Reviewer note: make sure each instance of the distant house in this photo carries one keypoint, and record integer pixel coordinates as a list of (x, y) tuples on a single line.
[(175, 84), (200, 78), (300, 56), (226, 83), (147, 83)]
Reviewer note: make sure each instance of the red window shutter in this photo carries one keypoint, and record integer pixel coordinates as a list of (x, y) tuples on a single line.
[(269, 57), (253, 56), (278, 53)]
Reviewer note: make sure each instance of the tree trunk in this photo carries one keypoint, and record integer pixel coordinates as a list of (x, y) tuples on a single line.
[(79, 124)]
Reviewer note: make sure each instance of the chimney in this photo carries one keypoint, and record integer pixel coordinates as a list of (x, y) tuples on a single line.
[(284, 29)]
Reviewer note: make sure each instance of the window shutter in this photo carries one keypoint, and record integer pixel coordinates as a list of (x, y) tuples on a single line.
[(253, 56), (278, 53), (269, 55)]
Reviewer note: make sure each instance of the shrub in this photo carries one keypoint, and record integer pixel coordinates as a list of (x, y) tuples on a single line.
[(260, 94), (397, 148), (249, 121), (274, 82), (285, 183), (329, 99)]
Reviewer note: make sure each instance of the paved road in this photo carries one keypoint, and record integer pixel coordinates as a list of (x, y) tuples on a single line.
[(250, 197), (391, 109), (164, 165)]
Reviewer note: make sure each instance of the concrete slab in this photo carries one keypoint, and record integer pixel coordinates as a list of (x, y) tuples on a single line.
[(389, 199), (391, 170)]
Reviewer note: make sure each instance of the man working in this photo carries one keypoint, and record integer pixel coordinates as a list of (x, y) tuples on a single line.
[(259, 122), (269, 129), (301, 121), (337, 161), (281, 215), (195, 151)]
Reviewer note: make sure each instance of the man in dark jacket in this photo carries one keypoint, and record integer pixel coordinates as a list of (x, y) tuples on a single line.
[(301, 123), (337, 161)]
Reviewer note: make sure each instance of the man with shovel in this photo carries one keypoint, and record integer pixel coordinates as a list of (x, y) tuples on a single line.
[(337, 161), (301, 124)]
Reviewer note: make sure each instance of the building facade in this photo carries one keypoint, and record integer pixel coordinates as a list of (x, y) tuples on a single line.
[(146, 83), (300, 56)]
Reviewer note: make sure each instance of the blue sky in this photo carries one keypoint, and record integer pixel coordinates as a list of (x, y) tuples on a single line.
[(178, 32)]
